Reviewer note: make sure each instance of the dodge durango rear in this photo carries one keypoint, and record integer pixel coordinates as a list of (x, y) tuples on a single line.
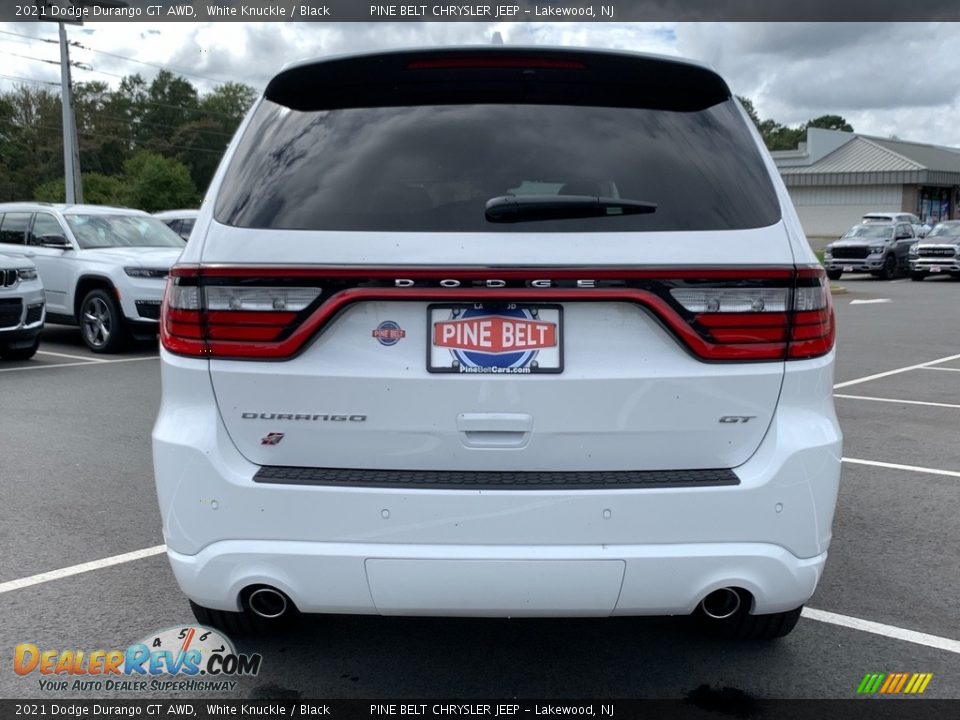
[(495, 332)]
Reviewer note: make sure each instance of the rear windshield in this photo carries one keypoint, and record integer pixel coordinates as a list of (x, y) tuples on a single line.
[(433, 168)]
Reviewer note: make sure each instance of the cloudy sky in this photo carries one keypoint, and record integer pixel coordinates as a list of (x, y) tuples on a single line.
[(885, 78)]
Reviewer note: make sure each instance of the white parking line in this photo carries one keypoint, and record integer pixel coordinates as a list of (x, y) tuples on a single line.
[(890, 631), (894, 400), (897, 466), (77, 364), (81, 568), (72, 357), (888, 373), (942, 369)]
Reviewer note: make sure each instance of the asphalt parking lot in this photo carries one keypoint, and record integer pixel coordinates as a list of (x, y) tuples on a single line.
[(81, 563)]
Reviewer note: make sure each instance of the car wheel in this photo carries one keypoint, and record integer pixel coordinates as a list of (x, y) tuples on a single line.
[(744, 626), (917, 276), (889, 271), (101, 322), (834, 274), (21, 353)]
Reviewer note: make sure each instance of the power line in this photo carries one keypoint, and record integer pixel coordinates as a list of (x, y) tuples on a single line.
[(153, 123), (77, 44), (87, 133), (90, 69), (27, 57), (29, 80), (28, 37)]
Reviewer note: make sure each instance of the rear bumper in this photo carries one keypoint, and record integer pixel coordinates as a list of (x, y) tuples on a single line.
[(596, 551), (497, 581)]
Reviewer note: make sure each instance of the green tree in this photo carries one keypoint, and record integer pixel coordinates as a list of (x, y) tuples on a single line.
[(31, 140), (830, 122), (750, 109), (98, 189), (218, 116), (153, 182), (780, 137), (170, 102)]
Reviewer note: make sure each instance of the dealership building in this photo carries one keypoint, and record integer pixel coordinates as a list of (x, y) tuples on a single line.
[(835, 177)]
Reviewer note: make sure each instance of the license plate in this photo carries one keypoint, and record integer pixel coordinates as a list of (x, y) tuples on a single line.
[(935, 268), (495, 339), (848, 268)]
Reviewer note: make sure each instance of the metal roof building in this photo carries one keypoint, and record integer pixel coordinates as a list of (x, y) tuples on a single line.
[(835, 177)]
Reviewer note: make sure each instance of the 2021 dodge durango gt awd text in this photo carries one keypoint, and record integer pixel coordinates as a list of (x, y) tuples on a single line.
[(498, 332)]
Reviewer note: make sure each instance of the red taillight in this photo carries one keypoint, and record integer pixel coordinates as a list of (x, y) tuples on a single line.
[(813, 330), (781, 322), (718, 314), (227, 320)]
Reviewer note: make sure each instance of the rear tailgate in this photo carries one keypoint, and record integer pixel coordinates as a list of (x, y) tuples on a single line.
[(631, 395)]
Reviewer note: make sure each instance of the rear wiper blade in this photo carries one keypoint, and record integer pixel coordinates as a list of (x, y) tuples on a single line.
[(522, 208)]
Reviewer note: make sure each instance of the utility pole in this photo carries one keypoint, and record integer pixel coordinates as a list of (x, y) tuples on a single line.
[(71, 149)]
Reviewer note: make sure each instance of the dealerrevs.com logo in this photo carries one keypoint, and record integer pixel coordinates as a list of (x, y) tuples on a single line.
[(181, 659)]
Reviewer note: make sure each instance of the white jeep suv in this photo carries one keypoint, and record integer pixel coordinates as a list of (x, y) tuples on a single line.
[(21, 308), (500, 332), (102, 268)]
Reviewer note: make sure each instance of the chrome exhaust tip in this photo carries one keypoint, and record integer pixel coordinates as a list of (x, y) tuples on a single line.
[(268, 603), (721, 604)]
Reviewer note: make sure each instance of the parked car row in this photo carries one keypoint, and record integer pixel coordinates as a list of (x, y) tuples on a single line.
[(890, 244), (103, 269)]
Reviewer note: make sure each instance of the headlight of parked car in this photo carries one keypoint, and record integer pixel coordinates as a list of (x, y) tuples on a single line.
[(914, 249), (137, 272), (876, 249), (27, 273)]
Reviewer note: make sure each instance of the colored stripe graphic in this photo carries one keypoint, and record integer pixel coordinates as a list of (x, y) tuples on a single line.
[(870, 683), (894, 683)]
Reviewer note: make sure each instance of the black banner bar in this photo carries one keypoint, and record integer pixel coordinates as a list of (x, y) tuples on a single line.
[(734, 706), (467, 11)]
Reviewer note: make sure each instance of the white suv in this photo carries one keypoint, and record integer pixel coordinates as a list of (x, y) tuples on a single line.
[(21, 308), (102, 268), (501, 332)]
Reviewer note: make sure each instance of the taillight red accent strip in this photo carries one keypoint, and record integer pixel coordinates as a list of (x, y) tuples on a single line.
[(725, 336)]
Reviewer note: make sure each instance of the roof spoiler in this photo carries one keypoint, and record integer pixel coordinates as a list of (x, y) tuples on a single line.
[(501, 74)]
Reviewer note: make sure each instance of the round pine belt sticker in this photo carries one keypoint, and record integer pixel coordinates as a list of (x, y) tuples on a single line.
[(389, 333)]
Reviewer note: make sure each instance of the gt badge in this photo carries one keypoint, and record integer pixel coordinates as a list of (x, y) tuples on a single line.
[(271, 438)]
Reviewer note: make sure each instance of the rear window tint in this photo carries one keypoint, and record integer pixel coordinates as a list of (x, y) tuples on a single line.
[(433, 168)]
